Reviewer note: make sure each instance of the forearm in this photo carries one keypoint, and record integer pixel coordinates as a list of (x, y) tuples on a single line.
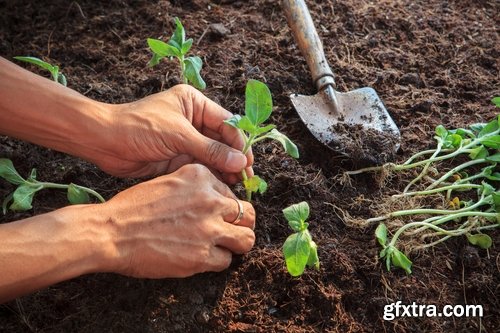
[(53, 247), (41, 111)]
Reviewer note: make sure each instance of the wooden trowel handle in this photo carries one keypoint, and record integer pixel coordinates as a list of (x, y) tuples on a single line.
[(301, 23)]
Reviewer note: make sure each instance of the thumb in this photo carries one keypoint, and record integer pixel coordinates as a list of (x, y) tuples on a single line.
[(215, 154)]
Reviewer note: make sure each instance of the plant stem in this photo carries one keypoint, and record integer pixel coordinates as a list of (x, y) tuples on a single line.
[(63, 186), (439, 189), (183, 70), (453, 171), (426, 167)]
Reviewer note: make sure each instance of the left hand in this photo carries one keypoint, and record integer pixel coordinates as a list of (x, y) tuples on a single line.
[(162, 132)]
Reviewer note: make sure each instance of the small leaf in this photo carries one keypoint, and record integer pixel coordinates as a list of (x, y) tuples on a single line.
[(39, 62), (296, 250), (186, 46), (496, 101), (492, 142), (233, 121), (399, 259), (290, 147), (179, 35), (9, 173), (487, 189), (313, 260), (23, 197), (255, 184), (298, 213), (32, 176), (193, 67), (246, 125), (496, 201), (162, 49), (76, 195), (441, 132), (490, 127), (258, 102), (61, 78), (155, 60), (452, 140), (464, 133), (482, 240), (494, 158), (264, 129), (478, 153), (381, 234)]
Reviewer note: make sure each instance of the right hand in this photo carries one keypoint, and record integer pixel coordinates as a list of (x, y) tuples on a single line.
[(178, 225)]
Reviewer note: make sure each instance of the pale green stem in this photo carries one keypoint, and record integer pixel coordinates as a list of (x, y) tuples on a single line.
[(63, 186), (440, 189), (426, 167), (453, 171)]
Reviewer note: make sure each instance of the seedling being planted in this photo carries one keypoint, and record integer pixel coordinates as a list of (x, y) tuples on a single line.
[(178, 47), (57, 76), (299, 249), (22, 197), (467, 183), (258, 108)]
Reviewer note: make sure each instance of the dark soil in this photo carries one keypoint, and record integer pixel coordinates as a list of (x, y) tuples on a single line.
[(432, 62)]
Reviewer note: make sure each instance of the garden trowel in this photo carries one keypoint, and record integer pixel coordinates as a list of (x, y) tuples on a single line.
[(354, 123)]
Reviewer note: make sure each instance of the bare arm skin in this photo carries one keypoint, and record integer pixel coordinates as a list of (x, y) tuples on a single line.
[(172, 226)]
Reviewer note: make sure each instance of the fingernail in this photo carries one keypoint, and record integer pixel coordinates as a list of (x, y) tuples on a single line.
[(235, 161)]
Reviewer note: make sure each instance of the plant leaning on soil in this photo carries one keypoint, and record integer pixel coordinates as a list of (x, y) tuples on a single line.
[(57, 76), (178, 47), (299, 249), (258, 108), (469, 187), (22, 197)]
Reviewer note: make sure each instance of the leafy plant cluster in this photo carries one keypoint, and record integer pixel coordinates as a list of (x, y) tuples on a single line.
[(178, 47), (22, 197), (469, 186)]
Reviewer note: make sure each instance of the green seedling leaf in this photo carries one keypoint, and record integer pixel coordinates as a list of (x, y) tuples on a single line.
[(264, 129), (296, 215), (496, 201), (464, 133), (492, 142), (246, 125), (313, 260), (287, 144), (32, 176), (23, 197), (482, 240), (478, 153), (35, 61), (452, 140), (192, 72), (61, 78), (381, 234), (76, 195), (255, 184), (296, 249), (494, 158), (399, 259), (490, 127), (186, 46), (179, 36), (160, 50), (496, 101), (233, 121), (441, 132), (9, 173), (487, 189), (258, 102)]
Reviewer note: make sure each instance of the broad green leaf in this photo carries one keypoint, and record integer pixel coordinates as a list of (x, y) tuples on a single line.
[(39, 62), (6, 202), (496, 101), (482, 240), (175, 45), (381, 234), (233, 121), (23, 196), (9, 173), (162, 49), (494, 176), (192, 72), (290, 147), (258, 102), (179, 35), (186, 46), (255, 184), (494, 158), (478, 153), (490, 127), (441, 132), (296, 250), (313, 260), (399, 259), (76, 195), (492, 142), (264, 129), (61, 78), (298, 213), (496, 201), (246, 125)]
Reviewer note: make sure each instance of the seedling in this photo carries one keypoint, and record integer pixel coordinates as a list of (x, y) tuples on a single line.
[(475, 180), (299, 249), (57, 76), (26, 189), (178, 47), (258, 108)]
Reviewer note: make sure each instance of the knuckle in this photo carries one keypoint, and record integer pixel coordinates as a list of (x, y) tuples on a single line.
[(248, 241), (194, 170)]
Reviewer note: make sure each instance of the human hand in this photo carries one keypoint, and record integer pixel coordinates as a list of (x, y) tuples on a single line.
[(162, 132), (177, 225)]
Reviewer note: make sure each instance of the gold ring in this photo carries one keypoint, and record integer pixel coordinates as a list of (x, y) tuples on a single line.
[(240, 212)]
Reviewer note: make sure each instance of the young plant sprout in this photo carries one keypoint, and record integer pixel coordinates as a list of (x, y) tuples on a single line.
[(178, 47), (26, 189), (57, 76), (258, 108), (299, 249), (469, 185)]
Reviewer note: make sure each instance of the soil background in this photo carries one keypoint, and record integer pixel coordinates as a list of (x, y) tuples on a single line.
[(432, 62)]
